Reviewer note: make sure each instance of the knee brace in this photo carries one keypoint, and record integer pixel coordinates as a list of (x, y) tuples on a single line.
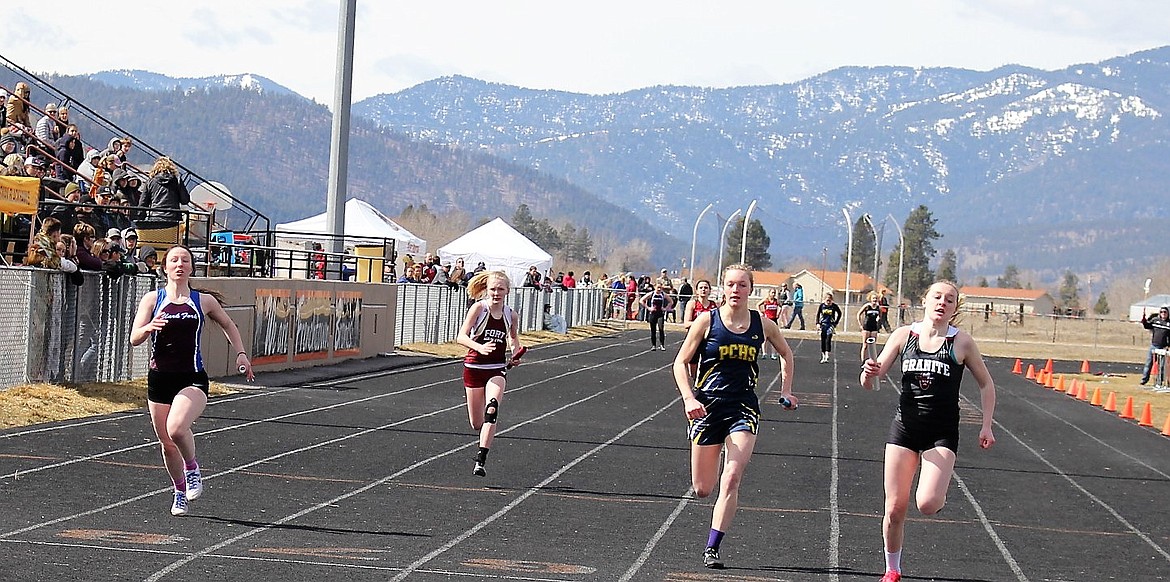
[(490, 411)]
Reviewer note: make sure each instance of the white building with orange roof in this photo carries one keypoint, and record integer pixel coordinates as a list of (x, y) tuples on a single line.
[(1007, 301)]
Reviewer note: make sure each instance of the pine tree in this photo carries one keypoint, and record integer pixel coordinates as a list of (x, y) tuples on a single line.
[(947, 266), (1010, 278), (864, 248), (1102, 306), (1069, 298), (919, 236), (756, 253), (524, 223)]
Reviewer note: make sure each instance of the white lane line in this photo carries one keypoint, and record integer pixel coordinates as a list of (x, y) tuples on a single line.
[(835, 485), (206, 551), (1153, 469), (152, 443), (280, 455), (317, 563), (688, 496), (534, 489), (135, 414), (1003, 550), (1101, 502)]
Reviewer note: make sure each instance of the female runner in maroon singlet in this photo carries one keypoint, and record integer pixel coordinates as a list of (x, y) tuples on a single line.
[(172, 318), (485, 333), (925, 430)]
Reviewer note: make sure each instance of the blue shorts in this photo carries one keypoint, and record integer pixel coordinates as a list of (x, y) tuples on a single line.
[(723, 418)]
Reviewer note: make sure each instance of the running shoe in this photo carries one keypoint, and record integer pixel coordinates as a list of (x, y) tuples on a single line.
[(194, 484), (711, 559), (891, 576), (179, 507), (479, 470)]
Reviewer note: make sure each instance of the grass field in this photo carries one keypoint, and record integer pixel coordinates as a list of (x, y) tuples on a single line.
[(1038, 340)]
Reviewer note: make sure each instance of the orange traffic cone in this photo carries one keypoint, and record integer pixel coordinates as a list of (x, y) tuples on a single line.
[(1048, 365), (1111, 402), (1048, 382), (1085, 366), (1059, 384), (1166, 427), (1096, 400), (1083, 391), (1018, 368), (1147, 416), (1127, 410), (1031, 375)]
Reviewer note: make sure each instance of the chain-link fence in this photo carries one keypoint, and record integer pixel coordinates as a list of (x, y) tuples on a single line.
[(58, 332), (433, 313)]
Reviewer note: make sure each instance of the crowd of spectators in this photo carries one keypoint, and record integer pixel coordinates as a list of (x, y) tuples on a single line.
[(84, 192)]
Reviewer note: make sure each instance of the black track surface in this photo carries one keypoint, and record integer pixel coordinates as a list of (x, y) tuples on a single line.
[(363, 472)]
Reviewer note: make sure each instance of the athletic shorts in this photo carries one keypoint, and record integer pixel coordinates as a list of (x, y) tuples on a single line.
[(875, 327), (723, 418), (478, 378), (162, 387), (923, 438)]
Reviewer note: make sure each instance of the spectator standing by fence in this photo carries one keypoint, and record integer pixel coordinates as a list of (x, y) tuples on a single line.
[(1159, 327), (797, 307), (164, 193)]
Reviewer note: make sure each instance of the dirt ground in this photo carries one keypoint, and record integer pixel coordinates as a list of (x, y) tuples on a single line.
[(1036, 341)]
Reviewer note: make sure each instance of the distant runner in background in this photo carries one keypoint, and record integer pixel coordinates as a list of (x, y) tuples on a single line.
[(770, 308), (828, 315)]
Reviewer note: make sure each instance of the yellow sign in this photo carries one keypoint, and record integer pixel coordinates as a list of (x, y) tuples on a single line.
[(19, 195)]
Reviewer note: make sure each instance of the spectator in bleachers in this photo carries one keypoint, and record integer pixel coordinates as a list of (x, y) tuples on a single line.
[(532, 278), (148, 262), (120, 210), (43, 250), (569, 282), (124, 151), (114, 235), (62, 119), (479, 268), (17, 122), (67, 250), (410, 274), (87, 168), (126, 185), (119, 262), (47, 130), (70, 152), (114, 148), (442, 275), (10, 145), (164, 194), (101, 175), (130, 239), (85, 236)]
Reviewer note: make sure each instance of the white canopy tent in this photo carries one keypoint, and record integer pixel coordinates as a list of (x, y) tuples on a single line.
[(500, 247), (361, 220)]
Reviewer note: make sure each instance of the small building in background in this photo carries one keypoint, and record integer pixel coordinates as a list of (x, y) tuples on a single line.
[(1007, 302), (1148, 306)]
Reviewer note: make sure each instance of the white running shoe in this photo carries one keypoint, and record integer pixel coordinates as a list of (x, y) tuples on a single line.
[(179, 507), (194, 484)]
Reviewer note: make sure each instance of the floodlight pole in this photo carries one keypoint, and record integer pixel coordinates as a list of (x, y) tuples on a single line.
[(694, 240), (848, 268), (722, 241), (743, 242), (901, 259), (339, 138)]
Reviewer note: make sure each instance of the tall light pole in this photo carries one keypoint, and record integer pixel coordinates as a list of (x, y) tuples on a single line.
[(339, 138), (877, 248), (901, 260), (743, 243), (694, 240), (848, 268), (722, 241)]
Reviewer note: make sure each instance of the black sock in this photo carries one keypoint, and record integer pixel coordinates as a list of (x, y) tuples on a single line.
[(481, 456)]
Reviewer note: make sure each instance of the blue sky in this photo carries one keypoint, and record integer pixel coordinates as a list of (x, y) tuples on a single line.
[(601, 46)]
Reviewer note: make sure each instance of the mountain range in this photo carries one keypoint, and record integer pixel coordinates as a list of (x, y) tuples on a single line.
[(1047, 170)]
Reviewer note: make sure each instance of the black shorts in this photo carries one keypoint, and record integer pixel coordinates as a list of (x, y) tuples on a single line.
[(478, 378), (162, 387), (924, 438), (723, 418), (872, 327)]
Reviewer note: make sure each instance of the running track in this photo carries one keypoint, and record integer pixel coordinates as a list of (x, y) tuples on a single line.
[(352, 474)]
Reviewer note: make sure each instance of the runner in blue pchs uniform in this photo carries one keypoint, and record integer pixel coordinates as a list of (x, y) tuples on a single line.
[(925, 429), (723, 410), (176, 383)]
